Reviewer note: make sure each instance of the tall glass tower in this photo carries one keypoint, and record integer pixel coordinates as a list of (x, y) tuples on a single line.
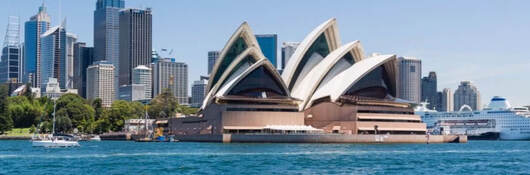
[(107, 33), (33, 28), (54, 57), (268, 44)]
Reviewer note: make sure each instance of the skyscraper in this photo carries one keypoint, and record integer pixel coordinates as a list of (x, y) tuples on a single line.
[(53, 56), (135, 42), (447, 100), (409, 79), (36, 26), (168, 74), (107, 33), (100, 82), (71, 39), (467, 94), (288, 49), (142, 75), (11, 53), (83, 57), (268, 43), (198, 91), (429, 91), (212, 57)]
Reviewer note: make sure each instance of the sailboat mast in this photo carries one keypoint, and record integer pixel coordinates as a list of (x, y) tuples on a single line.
[(54, 105)]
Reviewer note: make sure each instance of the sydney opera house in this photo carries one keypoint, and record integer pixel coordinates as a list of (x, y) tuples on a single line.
[(328, 92)]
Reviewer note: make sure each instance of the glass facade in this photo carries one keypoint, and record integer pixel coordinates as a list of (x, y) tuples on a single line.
[(319, 49), (240, 68), (32, 31), (268, 44), (375, 84), (9, 70), (239, 46), (53, 57), (260, 83)]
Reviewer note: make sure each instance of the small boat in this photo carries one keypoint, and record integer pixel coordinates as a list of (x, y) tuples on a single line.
[(95, 138), (54, 140)]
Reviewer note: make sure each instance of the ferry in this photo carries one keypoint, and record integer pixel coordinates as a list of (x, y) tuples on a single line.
[(499, 120)]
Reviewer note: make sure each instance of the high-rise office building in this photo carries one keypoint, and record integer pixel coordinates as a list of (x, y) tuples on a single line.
[(172, 75), (132, 92), (447, 100), (198, 91), (429, 91), (100, 82), (33, 29), (409, 79), (288, 49), (53, 56), (10, 62), (107, 34), (212, 57), (83, 57), (71, 39), (467, 94), (135, 42), (142, 75), (268, 43)]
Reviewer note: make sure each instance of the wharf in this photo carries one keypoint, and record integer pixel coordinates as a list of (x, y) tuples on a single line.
[(3, 137), (323, 138)]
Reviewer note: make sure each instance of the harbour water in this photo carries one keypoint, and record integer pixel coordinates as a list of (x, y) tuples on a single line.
[(120, 157)]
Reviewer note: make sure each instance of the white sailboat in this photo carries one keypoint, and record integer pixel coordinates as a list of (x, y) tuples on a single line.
[(54, 140)]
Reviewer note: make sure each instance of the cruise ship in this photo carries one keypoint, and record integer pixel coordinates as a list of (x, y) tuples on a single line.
[(496, 121)]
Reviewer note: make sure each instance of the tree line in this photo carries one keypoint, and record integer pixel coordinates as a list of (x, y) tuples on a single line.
[(74, 113)]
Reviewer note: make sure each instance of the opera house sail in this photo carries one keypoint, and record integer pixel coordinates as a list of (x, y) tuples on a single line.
[(327, 92)]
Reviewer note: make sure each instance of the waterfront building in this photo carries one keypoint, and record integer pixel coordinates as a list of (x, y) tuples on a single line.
[(198, 91), (100, 82), (268, 43), (447, 100), (429, 91), (467, 95), (107, 34), (53, 56), (410, 79), (172, 75), (325, 88), (71, 39), (33, 29), (10, 61), (132, 92), (135, 42), (142, 75), (83, 57), (288, 49), (212, 57), (53, 91)]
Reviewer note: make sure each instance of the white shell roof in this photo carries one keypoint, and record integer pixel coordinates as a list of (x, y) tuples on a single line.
[(310, 82), (333, 42), (346, 79)]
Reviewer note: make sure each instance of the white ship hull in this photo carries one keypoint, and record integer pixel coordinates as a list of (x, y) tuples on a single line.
[(54, 143)]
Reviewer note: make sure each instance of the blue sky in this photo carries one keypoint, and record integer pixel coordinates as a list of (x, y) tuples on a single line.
[(486, 43)]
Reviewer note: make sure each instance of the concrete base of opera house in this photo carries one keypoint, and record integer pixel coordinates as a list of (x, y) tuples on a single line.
[(322, 138)]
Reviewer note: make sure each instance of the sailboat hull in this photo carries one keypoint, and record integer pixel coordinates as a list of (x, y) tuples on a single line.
[(55, 143)]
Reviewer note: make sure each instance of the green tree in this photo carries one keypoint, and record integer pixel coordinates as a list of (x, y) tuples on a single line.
[(164, 105), (24, 112), (63, 124), (119, 112), (98, 108), (80, 114), (6, 123)]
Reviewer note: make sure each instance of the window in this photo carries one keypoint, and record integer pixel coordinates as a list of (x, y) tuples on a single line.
[(412, 68)]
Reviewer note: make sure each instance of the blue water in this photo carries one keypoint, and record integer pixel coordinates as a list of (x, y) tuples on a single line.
[(119, 157)]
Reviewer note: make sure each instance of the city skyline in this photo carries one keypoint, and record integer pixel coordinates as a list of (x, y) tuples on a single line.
[(449, 43)]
